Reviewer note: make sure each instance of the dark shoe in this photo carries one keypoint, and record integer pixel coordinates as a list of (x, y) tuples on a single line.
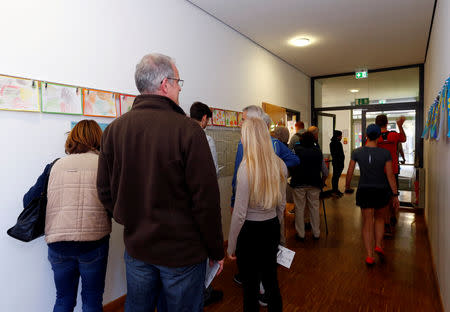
[(388, 231), (393, 221), (349, 191), (298, 238), (214, 296), (340, 194), (316, 238), (308, 226), (380, 253), (237, 279), (262, 298), (292, 211)]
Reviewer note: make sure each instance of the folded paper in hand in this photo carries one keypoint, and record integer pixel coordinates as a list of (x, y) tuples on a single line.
[(211, 272)]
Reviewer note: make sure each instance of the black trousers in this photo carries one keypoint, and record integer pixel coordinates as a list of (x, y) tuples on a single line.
[(256, 253), (337, 171)]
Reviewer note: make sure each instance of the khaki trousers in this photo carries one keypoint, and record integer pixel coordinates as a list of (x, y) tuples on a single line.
[(302, 197)]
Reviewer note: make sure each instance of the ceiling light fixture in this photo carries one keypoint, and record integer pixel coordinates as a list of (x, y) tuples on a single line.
[(300, 42), (354, 90)]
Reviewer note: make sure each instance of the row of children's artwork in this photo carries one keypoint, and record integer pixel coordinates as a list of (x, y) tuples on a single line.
[(225, 118), (22, 94), (438, 114)]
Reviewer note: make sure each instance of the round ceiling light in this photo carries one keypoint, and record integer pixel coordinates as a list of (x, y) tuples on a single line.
[(354, 90), (300, 42)]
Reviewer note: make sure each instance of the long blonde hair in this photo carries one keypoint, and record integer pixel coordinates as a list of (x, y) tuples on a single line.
[(265, 174)]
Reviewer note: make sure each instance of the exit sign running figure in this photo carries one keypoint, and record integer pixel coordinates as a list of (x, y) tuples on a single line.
[(361, 74)]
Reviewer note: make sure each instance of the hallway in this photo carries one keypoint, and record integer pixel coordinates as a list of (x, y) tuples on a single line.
[(330, 274)]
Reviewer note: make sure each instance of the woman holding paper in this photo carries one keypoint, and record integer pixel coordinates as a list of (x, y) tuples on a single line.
[(257, 221)]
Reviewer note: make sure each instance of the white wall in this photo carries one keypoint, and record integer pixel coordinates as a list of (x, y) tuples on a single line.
[(437, 161), (97, 44)]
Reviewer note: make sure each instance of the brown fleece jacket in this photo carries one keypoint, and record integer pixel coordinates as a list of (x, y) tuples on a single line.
[(156, 175)]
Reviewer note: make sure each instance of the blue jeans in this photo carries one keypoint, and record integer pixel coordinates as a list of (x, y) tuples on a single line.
[(69, 266), (168, 289)]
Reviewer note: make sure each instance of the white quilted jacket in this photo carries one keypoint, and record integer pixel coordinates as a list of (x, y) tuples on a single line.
[(74, 212)]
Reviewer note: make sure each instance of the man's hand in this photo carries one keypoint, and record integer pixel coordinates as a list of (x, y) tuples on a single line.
[(400, 121), (232, 257), (211, 263)]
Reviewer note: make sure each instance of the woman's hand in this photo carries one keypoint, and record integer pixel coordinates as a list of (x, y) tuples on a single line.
[(396, 203), (232, 257)]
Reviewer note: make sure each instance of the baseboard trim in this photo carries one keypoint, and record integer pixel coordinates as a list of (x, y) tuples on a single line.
[(115, 305), (434, 267)]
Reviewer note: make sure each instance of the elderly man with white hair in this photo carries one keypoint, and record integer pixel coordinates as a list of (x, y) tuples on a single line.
[(156, 176)]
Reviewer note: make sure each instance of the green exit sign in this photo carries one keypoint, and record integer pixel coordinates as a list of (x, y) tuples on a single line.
[(363, 101), (361, 74)]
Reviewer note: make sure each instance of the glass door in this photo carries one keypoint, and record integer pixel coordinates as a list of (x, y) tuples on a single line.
[(406, 159)]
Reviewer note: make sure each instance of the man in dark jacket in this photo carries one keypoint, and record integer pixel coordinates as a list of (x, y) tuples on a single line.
[(306, 182), (157, 177), (337, 159)]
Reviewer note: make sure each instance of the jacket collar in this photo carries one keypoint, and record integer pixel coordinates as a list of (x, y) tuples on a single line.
[(153, 101)]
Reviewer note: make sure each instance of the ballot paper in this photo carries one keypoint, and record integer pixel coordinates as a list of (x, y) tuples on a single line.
[(285, 256), (211, 272)]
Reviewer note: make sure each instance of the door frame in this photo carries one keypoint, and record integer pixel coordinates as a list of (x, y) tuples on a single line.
[(418, 105)]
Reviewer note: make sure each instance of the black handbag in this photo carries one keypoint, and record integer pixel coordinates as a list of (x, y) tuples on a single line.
[(31, 222)]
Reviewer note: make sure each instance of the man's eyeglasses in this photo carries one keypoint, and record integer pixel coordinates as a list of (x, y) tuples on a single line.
[(179, 81)]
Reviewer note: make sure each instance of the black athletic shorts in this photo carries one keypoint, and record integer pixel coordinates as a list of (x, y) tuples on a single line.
[(373, 197)]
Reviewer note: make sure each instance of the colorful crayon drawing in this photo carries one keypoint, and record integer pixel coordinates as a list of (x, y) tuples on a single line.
[(126, 102), (240, 115), (60, 99), (447, 105), (219, 117), (99, 103), (427, 126), (231, 119), (19, 94), (102, 125), (434, 119)]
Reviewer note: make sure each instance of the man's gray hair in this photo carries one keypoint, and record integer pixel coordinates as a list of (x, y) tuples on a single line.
[(151, 71), (254, 111), (266, 119)]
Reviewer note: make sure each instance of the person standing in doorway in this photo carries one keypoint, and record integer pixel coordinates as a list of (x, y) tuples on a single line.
[(157, 177), (389, 140), (375, 189), (299, 130), (337, 160)]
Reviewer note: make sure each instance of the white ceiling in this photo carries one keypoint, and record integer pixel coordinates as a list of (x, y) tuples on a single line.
[(346, 34)]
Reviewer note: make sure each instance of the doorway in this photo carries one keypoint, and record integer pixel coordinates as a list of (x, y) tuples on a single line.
[(407, 158)]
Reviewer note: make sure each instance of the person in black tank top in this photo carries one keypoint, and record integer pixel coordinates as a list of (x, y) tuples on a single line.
[(375, 189)]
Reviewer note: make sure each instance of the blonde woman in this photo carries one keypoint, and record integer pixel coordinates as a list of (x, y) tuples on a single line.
[(257, 221)]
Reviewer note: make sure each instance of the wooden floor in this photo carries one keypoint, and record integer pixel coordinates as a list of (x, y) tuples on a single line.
[(330, 274)]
